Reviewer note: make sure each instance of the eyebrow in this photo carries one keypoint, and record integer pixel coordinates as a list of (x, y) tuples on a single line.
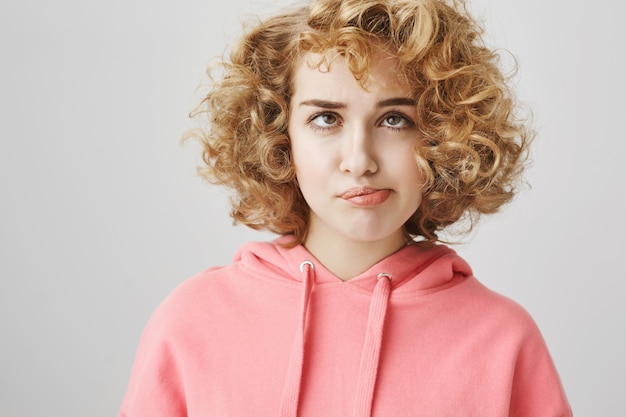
[(325, 104)]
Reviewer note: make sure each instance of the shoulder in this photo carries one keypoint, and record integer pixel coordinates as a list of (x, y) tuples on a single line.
[(187, 301), (496, 310), (209, 289)]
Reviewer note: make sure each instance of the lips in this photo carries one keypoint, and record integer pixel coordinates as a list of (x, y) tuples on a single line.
[(366, 196)]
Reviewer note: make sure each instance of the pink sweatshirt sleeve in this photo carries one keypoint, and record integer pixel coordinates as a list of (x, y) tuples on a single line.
[(537, 390), (155, 388)]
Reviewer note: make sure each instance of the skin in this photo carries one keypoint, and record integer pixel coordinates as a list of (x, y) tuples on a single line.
[(353, 152)]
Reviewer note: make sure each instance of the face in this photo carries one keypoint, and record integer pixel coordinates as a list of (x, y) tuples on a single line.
[(353, 151)]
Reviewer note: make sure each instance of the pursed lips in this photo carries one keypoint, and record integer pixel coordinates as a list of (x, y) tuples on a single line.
[(366, 196)]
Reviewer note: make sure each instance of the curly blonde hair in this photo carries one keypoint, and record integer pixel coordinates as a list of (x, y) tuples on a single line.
[(474, 145)]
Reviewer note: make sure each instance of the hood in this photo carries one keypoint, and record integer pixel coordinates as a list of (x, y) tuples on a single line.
[(411, 270)]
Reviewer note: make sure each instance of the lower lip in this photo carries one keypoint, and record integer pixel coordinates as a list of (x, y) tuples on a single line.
[(370, 199)]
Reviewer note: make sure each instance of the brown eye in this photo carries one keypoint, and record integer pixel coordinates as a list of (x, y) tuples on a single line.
[(394, 120), (325, 120), (397, 121)]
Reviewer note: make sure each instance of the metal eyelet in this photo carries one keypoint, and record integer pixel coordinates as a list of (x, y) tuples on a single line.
[(384, 275), (309, 263)]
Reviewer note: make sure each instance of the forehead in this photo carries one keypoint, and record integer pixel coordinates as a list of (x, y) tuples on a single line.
[(330, 71)]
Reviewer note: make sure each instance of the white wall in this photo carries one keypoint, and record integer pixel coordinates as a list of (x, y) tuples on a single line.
[(101, 213)]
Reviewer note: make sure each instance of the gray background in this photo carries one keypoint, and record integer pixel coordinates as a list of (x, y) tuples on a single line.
[(101, 213)]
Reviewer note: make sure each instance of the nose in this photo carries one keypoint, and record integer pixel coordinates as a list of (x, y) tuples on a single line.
[(358, 157)]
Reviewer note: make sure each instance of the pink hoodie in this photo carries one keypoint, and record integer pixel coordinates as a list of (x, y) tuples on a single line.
[(276, 334)]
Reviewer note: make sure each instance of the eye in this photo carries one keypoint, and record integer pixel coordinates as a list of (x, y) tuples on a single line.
[(324, 120), (397, 121)]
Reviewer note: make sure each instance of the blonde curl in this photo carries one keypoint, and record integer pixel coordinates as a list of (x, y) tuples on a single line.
[(474, 145)]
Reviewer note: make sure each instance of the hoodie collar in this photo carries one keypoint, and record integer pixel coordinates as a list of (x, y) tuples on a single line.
[(414, 268)]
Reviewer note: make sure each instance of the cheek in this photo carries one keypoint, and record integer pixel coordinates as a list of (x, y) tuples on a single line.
[(313, 173), (310, 159), (402, 161), (308, 172), (299, 147), (300, 162)]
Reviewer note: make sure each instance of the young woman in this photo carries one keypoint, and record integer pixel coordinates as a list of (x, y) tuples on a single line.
[(356, 130)]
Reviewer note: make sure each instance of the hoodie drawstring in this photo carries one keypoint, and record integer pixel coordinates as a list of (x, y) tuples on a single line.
[(291, 390), (370, 353), (371, 347)]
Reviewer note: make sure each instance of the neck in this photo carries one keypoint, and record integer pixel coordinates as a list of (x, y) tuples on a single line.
[(347, 258)]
